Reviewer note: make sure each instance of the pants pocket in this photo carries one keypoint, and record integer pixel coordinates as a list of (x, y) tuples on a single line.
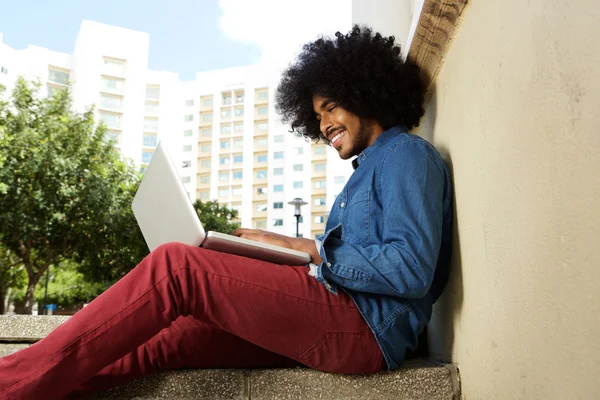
[(344, 352)]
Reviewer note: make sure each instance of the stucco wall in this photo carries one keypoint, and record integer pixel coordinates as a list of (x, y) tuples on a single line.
[(516, 108)]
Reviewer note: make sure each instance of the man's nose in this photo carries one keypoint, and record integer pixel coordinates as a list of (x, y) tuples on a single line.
[(325, 125)]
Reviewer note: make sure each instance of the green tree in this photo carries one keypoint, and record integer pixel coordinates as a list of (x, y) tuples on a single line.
[(11, 275), (110, 256), (216, 217), (59, 179), (66, 286)]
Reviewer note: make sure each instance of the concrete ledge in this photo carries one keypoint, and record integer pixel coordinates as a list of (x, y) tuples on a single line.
[(27, 328), (184, 384), (417, 380), (423, 382)]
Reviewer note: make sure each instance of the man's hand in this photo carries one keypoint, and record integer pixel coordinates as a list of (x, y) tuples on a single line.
[(300, 244)]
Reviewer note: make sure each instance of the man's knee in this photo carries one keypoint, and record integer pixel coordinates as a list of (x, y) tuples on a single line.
[(172, 251)]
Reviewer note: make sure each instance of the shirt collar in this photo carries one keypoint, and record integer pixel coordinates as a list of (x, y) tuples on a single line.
[(384, 138)]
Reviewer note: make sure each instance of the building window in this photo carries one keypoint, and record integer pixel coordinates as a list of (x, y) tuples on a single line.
[(3, 70), (262, 126), (277, 171), (225, 144), (263, 110), (238, 127), (189, 103), (207, 102), (262, 142), (237, 191), (261, 190), (298, 185), (263, 95), (278, 155), (225, 129), (277, 222), (261, 207), (187, 133), (188, 118), (150, 125), (205, 148), (319, 201), (261, 224), (151, 108), (149, 140), (110, 120), (320, 167), (205, 163), (111, 102), (224, 160), (278, 204), (261, 158), (319, 219), (278, 138), (112, 84), (319, 150), (152, 92), (238, 159), (238, 143), (298, 167), (58, 76), (187, 148), (320, 184), (339, 180), (186, 179), (223, 176), (226, 99), (206, 117), (186, 164), (261, 174), (238, 112), (298, 151), (203, 195), (204, 179), (277, 188), (239, 97), (112, 135), (237, 175), (114, 67), (206, 132), (225, 113), (147, 156), (224, 192)]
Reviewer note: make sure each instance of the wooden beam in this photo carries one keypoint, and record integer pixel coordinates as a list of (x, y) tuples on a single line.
[(437, 23)]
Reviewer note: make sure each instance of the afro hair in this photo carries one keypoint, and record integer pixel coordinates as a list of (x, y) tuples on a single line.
[(362, 72)]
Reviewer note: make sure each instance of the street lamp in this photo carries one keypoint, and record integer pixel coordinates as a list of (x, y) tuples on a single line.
[(297, 203)]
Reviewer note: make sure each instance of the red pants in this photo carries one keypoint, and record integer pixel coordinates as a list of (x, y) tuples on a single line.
[(189, 307)]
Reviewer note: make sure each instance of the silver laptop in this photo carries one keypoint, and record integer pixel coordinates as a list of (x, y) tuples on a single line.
[(165, 214)]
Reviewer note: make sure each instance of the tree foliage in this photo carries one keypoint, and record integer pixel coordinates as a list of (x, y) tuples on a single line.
[(58, 179)]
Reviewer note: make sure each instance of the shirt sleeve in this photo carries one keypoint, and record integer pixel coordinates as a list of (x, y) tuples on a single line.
[(403, 263)]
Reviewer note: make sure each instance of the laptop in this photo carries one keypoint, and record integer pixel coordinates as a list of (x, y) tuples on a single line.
[(166, 214)]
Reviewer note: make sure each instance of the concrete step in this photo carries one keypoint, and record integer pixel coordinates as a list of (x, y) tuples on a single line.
[(417, 380)]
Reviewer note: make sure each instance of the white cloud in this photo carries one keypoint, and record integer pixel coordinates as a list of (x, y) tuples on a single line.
[(280, 27)]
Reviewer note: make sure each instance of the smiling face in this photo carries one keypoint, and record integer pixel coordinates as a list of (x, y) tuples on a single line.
[(348, 133)]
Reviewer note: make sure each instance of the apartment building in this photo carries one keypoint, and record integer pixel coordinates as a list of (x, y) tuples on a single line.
[(221, 128)]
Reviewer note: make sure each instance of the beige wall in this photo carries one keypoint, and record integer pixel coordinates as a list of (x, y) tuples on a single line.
[(516, 107)]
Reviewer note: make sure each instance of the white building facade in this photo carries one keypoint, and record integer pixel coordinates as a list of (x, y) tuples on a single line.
[(221, 129)]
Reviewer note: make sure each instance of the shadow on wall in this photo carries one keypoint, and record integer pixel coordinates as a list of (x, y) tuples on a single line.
[(446, 311)]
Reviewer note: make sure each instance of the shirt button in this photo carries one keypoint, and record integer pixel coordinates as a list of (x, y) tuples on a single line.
[(329, 264), (342, 204)]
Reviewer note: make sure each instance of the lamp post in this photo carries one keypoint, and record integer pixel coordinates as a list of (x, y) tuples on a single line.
[(297, 203)]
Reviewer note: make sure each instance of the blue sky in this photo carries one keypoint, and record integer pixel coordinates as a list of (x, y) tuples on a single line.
[(184, 34)]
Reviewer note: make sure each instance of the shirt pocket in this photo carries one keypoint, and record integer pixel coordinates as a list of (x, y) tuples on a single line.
[(357, 225)]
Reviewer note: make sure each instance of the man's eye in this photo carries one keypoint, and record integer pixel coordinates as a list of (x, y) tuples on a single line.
[(332, 108)]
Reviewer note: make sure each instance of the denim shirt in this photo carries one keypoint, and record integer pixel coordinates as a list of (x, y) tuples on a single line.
[(387, 240)]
